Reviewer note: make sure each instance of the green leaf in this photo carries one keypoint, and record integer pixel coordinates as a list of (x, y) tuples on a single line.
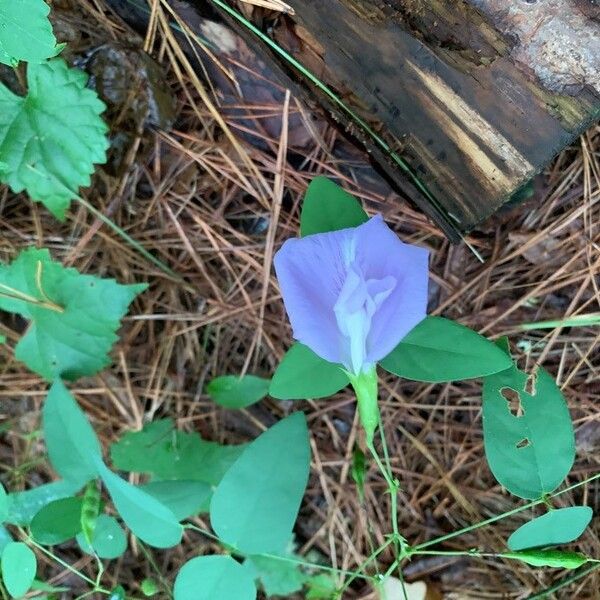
[(25, 32), (169, 454), (23, 506), (183, 498), (147, 518), (51, 138), (149, 587), (231, 391), (327, 207), (5, 538), (548, 558), (213, 578), (73, 448), (256, 504), (559, 526), (73, 317), (18, 565), (3, 504), (57, 522), (109, 539), (117, 593), (528, 437), (302, 374), (439, 350), (277, 577), (321, 587)]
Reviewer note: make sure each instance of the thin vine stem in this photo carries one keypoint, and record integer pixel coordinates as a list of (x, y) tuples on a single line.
[(504, 515), (288, 559)]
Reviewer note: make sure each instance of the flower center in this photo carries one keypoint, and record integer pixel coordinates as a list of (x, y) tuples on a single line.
[(358, 301)]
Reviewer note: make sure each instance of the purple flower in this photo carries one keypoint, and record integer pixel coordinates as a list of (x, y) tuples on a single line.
[(352, 295)]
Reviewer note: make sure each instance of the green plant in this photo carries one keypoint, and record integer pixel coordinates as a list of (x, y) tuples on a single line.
[(252, 492)]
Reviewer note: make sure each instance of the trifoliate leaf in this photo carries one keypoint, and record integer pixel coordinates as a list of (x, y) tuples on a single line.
[(51, 138), (25, 32), (73, 317)]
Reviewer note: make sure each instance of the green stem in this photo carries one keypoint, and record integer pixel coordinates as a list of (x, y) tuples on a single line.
[(504, 515), (288, 559), (131, 241)]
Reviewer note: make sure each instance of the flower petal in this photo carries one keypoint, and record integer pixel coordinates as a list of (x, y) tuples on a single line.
[(311, 273), (381, 254)]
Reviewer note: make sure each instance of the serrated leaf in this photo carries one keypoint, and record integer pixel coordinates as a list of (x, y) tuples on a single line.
[(327, 207), (147, 518), (73, 316), (277, 577), (255, 506), (559, 526), (302, 374), (528, 437), (168, 454), (439, 350), (213, 578), (51, 138), (18, 565), (230, 391), (548, 558), (23, 506), (184, 498), (26, 32), (73, 448), (109, 540), (57, 522)]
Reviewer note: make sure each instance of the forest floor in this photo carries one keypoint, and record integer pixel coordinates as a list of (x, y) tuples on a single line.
[(215, 208)]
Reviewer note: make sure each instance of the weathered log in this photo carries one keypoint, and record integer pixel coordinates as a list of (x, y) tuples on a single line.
[(475, 96)]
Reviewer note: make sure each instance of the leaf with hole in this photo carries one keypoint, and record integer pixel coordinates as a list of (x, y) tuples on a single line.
[(57, 522), (109, 540), (73, 316), (527, 432), (213, 578), (302, 374), (548, 558), (51, 138), (439, 350), (255, 506), (18, 565), (559, 526), (73, 447), (23, 506), (185, 498), (230, 391), (168, 454), (148, 519), (328, 207)]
